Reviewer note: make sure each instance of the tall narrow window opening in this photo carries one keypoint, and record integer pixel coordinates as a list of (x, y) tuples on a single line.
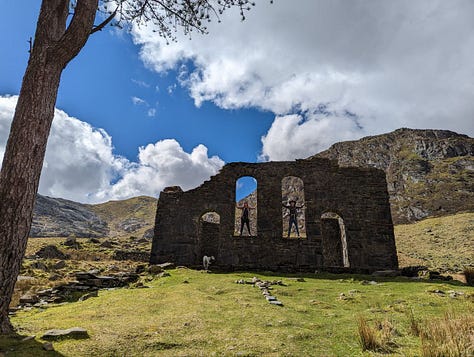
[(246, 206), (293, 207)]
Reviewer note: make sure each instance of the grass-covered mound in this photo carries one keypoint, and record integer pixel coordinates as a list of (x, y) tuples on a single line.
[(192, 313)]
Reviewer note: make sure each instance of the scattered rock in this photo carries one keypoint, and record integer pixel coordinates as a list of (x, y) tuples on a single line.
[(140, 285), (39, 265), (51, 252), (366, 282), (354, 291), (74, 332), (276, 302), (48, 346), (94, 240), (29, 298), (89, 295), (155, 269), (107, 244), (412, 271), (71, 242), (166, 265), (28, 338), (454, 294), (278, 282), (41, 304), (163, 274)]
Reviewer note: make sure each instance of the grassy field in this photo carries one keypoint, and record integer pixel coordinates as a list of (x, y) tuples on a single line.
[(193, 313)]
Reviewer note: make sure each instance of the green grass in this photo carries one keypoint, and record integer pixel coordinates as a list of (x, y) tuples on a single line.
[(192, 313)]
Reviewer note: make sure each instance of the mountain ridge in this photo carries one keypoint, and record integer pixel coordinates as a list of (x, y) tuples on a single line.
[(429, 172)]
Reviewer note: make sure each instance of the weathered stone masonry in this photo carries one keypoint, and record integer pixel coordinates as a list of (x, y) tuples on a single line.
[(358, 195)]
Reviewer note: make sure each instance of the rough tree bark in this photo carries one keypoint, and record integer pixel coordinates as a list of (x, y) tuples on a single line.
[(54, 46)]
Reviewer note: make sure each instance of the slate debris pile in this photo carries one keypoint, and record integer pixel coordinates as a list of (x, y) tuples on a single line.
[(84, 287)]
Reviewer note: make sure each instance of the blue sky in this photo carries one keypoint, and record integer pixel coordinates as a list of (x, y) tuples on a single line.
[(99, 84), (135, 115)]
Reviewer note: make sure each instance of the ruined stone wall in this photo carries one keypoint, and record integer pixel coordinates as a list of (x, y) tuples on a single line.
[(358, 196)]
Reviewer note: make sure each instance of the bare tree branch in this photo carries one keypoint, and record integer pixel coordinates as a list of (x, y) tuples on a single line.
[(104, 23)]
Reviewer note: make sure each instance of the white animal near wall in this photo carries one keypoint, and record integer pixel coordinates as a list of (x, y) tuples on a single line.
[(206, 261)]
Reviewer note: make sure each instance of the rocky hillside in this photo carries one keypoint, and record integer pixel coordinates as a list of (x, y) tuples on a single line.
[(429, 172), (56, 217)]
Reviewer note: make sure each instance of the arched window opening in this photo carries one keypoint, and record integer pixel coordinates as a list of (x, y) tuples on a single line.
[(209, 234), (334, 241), (293, 209), (211, 217), (246, 206)]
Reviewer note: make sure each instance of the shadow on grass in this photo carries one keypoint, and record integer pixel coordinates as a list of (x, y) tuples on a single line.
[(15, 345), (343, 276)]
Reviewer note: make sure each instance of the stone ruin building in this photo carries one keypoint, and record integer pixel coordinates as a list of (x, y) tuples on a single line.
[(348, 224)]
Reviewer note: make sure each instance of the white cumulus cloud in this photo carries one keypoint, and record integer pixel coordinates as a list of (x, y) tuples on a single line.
[(380, 64), (162, 164), (80, 164)]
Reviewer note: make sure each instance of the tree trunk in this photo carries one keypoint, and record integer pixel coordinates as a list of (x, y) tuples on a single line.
[(54, 46)]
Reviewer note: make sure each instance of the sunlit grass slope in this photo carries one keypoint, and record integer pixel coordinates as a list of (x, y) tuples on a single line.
[(445, 243)]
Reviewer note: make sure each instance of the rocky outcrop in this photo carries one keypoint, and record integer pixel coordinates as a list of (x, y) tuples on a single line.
[(429, 172), (131, 225), (57, 217)]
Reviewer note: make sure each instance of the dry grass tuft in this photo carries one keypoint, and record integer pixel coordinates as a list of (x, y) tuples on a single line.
[(377, 338), (414, 324), (448, 336)]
